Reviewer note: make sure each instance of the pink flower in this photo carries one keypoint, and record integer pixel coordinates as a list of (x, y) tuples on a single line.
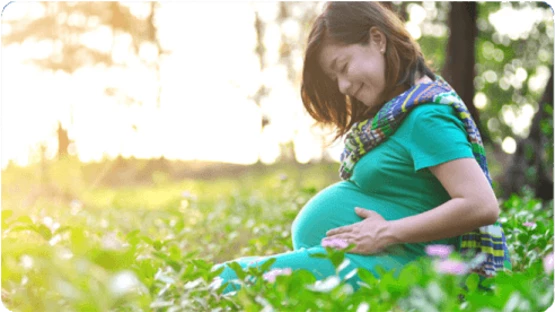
[(442, 251), (271, 275), (548, 263), (452, 267), (529, 224), (335, 243)]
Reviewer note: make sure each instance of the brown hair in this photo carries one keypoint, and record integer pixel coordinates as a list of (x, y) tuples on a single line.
[(348, 23)]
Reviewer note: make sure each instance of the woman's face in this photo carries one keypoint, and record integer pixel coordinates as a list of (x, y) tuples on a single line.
[(358, 70)]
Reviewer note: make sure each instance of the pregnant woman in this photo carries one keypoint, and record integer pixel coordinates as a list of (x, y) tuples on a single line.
[(413, 165)]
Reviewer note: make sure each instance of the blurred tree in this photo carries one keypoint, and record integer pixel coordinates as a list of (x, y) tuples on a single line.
[(44, 178), (459, 65), (512, 70), (63, 27), (64, 24), (294, 20), (532, 164), (263, 90), (287, 152), (63, 141), (502, 69)]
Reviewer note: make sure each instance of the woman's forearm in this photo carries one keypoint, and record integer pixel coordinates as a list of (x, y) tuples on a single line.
[(453, 218)]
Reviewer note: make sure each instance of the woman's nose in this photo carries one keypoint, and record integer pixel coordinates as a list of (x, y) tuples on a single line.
[(343, 84)]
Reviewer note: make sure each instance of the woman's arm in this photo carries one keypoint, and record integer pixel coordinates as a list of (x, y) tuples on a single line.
[(473, 204)]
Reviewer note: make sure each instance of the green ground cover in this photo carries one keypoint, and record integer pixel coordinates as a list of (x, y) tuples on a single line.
[(151, 248)]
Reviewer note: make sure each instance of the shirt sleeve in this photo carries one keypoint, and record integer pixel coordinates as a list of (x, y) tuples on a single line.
[(437, 136)]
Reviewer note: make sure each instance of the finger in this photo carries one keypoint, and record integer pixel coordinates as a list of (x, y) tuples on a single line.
[(350, 239), (364, 213), (339, 230), (337, 242)]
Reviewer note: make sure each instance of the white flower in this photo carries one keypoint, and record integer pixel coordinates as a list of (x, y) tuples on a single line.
[(124, 282), (271, 275)]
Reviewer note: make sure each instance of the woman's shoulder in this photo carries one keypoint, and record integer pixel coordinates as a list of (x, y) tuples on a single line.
[(429, 116), (430, 109)]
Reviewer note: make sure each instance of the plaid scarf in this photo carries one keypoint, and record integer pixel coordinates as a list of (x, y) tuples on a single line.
[(487, 241)]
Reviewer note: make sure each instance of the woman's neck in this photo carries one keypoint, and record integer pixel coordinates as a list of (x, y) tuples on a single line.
[(421, 78)]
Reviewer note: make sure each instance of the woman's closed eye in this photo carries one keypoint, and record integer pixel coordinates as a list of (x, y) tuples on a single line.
[(343, 70)]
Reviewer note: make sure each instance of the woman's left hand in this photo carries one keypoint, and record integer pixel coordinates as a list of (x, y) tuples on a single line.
[(370, 235)]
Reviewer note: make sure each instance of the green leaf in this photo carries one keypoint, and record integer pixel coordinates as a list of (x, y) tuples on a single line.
[(157, 245), (472, 282), (24, 220), (133, 237), (337, 258), (174, 264), (190, 255), (175, 253), (19, 228), (161, 255), (202, 264), (112, 260), (6, 214), (367, 277), (238, 270), (61, 229), (319, 255), (266, 266), (408, 276), (215, 273), (189, 269), (79, 241), (44, 231), (147, 239)]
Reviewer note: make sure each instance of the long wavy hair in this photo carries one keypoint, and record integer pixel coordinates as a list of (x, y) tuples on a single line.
[(346, 23)]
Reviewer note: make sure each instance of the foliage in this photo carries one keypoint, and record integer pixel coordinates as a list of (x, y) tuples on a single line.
[(97, 254)]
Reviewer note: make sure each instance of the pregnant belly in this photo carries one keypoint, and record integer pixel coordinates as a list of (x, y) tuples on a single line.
[(334, 207)]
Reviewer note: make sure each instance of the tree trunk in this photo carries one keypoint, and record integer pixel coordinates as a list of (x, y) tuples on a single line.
[(63, 141), (531, 164), (460, 59)]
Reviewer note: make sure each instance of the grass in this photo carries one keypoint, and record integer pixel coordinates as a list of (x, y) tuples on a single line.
[(84, 246)]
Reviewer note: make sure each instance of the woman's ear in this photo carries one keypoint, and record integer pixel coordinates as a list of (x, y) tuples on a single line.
[(377, 37)]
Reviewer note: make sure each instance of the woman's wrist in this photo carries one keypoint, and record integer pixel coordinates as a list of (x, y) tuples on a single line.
[(388, 235)]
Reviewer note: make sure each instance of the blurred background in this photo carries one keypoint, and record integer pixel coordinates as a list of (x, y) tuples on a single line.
[(144, 141), (113, 93)]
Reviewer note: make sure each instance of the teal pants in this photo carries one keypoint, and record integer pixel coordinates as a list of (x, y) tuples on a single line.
[(308, 230)]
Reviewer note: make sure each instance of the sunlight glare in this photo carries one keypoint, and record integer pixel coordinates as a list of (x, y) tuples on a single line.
[(480, 100), (509, 145)]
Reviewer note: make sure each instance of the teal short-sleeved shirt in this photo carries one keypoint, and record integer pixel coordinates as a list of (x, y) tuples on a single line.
[(393, 179), (396, 173)]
